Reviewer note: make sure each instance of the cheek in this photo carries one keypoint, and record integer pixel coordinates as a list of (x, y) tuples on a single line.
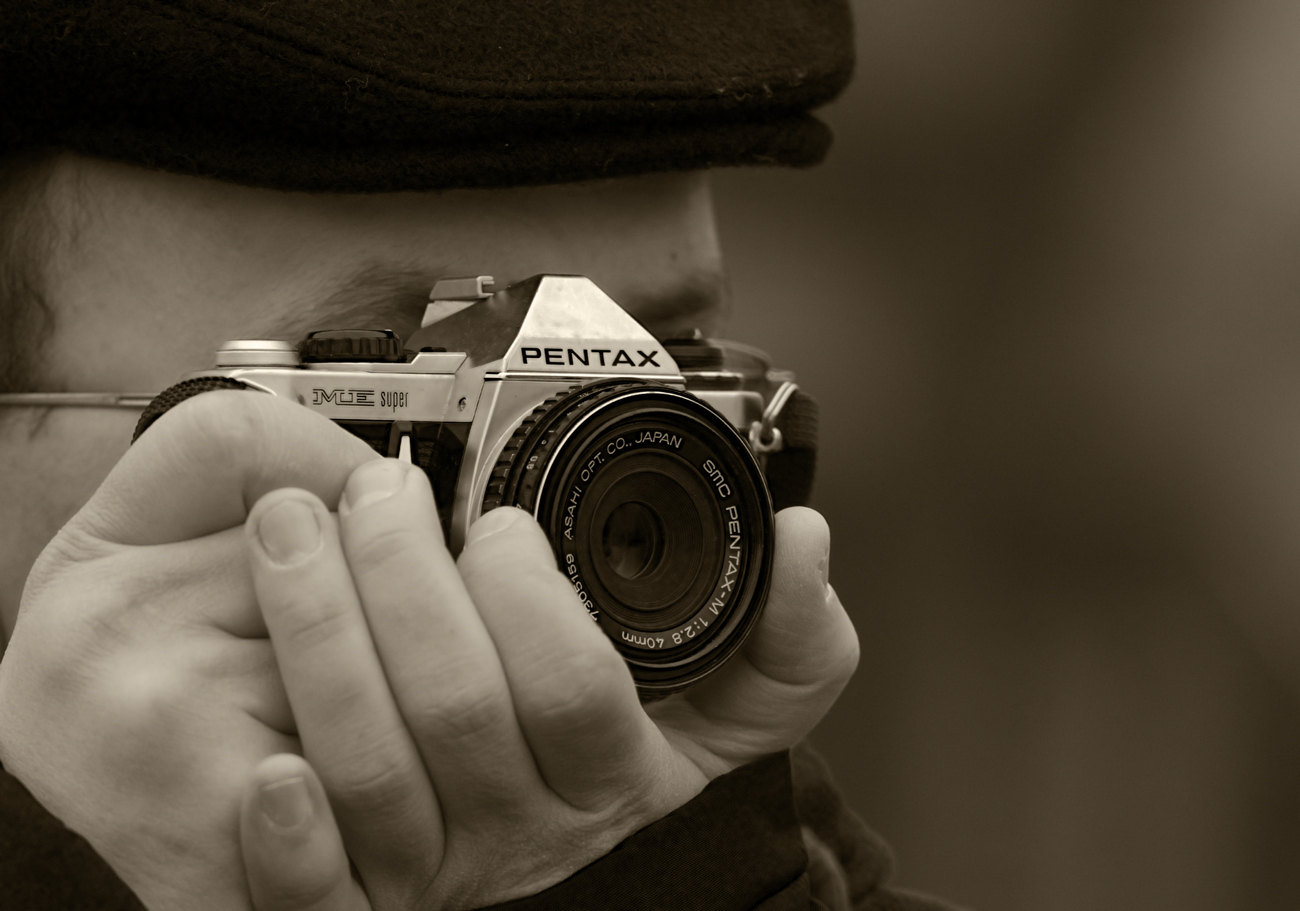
[(52, 466), (677, 235)]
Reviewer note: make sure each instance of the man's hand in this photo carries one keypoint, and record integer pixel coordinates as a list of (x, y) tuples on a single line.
[(478, 737), (139, 690)]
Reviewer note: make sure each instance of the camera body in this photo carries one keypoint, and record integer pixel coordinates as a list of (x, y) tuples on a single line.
[(641, 459)]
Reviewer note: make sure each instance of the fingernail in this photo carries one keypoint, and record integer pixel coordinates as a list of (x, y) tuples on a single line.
[(372, 482), (287, 803), (289, 532), (826, 569), (492, 522)]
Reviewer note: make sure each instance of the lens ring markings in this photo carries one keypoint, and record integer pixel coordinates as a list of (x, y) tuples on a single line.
[(686, 615)]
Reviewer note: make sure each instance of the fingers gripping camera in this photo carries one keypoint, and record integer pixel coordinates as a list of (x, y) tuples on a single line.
[(641, 459)]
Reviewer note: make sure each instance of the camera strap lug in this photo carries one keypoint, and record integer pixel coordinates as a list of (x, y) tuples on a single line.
[(764, 436)]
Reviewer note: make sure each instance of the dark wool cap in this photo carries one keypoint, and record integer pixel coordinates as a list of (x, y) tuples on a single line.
[(371, 95)]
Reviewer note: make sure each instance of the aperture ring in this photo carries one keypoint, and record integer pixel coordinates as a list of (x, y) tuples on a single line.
[(533, 441), (502, 472)]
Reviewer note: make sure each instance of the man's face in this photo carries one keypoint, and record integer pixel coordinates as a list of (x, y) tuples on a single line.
[(153, 271)]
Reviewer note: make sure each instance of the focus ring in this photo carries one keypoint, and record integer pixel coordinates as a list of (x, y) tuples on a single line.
[(500, 477), (533, 434)]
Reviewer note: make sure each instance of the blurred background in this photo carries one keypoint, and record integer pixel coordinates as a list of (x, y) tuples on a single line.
[(1047, 290)]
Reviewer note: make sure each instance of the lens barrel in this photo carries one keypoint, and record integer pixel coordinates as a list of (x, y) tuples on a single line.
[(659, 516)]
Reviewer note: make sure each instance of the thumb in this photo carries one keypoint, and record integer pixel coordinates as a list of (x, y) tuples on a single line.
[(293, 852), (203, 464), (795, 663)]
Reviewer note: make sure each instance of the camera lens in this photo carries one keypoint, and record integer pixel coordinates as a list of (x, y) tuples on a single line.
[(659, 517), (633, 539)]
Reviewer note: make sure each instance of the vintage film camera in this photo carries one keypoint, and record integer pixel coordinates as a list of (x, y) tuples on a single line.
[(641, 459)]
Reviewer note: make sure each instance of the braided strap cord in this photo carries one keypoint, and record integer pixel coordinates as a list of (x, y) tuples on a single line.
[(172, 396)]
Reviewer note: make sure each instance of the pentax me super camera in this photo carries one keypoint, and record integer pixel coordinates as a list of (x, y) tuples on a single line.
[(643, 460)]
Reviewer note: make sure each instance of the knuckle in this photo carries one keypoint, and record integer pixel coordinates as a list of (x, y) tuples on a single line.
[(308, 624), (576, 690), (461, 714), (375, 780), (141, 696), (383, 545), (286, 887), (504, 584), (143, 713)]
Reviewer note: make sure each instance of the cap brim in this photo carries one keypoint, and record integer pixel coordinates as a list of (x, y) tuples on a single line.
[(352, 96)]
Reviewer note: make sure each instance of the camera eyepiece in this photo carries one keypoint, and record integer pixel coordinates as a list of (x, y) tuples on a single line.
[(659, 515)]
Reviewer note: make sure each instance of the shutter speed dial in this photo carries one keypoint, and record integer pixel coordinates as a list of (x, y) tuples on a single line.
[(337, 345)]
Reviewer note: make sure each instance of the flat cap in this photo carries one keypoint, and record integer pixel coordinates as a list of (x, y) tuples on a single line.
[(374, 95)]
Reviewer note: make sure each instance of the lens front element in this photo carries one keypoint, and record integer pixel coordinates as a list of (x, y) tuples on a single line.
[(632, 539), (659, 517)]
